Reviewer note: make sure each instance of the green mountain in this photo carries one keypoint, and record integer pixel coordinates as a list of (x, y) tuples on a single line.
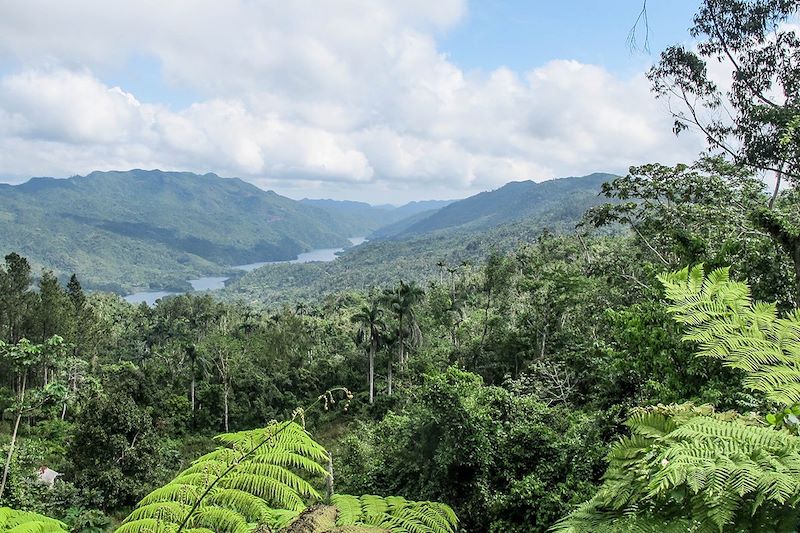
[(466, 230), (553, 200), (152, 229), (396, 228), (364, 219)]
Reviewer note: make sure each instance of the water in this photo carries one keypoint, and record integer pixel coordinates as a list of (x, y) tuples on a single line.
[(146, 297), (322, 255), (215, 283), (208, 284)]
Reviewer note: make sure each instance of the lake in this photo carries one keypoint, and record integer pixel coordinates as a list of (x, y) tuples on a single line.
[(214, 283)]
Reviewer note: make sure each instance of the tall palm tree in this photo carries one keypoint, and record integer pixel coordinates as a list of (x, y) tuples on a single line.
[(370, 330), (401, 301)]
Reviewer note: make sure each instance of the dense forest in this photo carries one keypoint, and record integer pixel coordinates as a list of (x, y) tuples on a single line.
[(638, 372)]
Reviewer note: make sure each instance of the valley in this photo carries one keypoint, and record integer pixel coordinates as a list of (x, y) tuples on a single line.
[(460, 267), (212, 283)]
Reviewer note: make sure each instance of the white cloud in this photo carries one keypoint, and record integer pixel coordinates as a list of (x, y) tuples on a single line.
[(351, 99)]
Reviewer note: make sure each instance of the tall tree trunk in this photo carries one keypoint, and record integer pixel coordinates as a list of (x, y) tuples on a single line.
[(778, 177), (390, 373), (401, 345), (329, 479), (372, 371), (225, 402), (7, 467), (191, 389)]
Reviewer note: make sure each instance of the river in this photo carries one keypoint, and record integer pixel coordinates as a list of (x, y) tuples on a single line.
[(215, 283)]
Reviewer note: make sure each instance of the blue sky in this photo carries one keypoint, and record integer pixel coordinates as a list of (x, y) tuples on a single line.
[(367, 99), (523, 34)]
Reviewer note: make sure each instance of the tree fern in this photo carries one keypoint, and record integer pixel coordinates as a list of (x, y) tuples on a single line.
[(721, 317), (689, 468), (12, 521), (265, 479)]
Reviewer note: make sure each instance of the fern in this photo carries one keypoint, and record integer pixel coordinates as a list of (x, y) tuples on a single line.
[(394, 513), (265, 479), (12, 521), (689, 468), (722, 318)]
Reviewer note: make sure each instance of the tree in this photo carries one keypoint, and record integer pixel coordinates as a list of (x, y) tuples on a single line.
[(756, 122), (371, 328), (75, 292), (687, 468), (23, 356), (707, 212), (116, 456), (401, 301), (750, 39), (15, 296), (222, 352)]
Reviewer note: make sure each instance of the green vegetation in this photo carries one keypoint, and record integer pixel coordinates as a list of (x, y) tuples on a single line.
[(556, 200), (153, 229), (438, 244), (506, 375), (267, 478), (364, 219)]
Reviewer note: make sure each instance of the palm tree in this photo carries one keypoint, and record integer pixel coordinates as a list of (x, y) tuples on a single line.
[(371, 327), (401, 301)]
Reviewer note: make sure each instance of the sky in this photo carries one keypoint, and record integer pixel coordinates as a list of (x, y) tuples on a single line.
[(372, 100)]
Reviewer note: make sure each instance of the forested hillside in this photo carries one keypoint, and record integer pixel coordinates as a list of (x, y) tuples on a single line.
[(364, 219), (430, 245), (553, 200), (124, 230), (627, 362)]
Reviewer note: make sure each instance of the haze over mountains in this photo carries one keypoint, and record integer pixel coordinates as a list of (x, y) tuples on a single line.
[(148, 229)]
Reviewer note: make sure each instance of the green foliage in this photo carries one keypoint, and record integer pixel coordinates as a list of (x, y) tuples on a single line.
[(267, 478), (115, 453), (12, 521), (96, 222), (505, 462), (722, 318), (394, 513), (691, 466)]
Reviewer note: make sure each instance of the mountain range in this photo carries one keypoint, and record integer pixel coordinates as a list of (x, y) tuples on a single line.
[(418, 247), (149, 229)]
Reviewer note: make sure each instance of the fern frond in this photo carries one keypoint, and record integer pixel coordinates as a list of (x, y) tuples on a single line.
[(394, 513), (13, 521), (722, 318), (269, 486)]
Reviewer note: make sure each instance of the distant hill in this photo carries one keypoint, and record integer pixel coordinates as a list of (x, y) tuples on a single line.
[(397, 228), (154, 229), (363, 219), (465, 230), (556, 200)]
